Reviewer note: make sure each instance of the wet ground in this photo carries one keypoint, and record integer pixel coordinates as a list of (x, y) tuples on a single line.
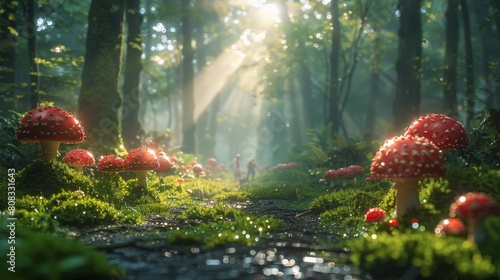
[(296, 253)]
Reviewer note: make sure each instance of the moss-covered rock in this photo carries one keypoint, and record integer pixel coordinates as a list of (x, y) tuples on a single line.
[(42, 256), (41, 178), (81, 211), (421, 255)]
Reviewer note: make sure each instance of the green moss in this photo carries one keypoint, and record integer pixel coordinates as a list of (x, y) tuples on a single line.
[(41, 178), (244, 230), (82, 211), (42, 256), (387, 256)]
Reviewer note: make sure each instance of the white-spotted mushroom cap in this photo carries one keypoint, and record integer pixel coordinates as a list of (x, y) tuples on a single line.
[(165, 164), (50, 123), (79, 157), (111, 163), (473, 206), (447, 133), (141, 159), (450, 226), (408, 157)]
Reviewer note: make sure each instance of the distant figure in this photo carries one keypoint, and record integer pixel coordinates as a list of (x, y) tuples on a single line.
[(236, 168), (251, 166)]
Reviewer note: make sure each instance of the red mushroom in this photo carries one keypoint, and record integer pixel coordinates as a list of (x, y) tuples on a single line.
[(111, 163), (141, 160), (450, 226), (374, 215), (211, 163), (406, 160), (446, 133), (165, 164), (78, 158), (473, 208), (197, 169), (49, 126)]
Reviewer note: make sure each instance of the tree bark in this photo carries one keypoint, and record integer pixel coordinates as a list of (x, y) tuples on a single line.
[(334, 64), (188, 124), (469, 64), (8, 49), (99, 101), (131, 124), (450, 60), (406, 104)]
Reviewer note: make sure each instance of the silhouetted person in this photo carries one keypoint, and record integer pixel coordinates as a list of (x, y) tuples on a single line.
[(251, 166), (236, 168)]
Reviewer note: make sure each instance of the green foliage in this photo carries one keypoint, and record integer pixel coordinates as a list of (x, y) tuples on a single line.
[(216, 212), (41, 178), (244, 230), (81, 211), (14, 154), (421, 253), (43, 256)]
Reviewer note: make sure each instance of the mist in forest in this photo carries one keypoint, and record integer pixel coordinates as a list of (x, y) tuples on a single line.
[(260, 78)]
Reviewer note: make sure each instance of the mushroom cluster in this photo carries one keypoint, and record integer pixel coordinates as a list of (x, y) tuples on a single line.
[(49, 126), (344, 172)]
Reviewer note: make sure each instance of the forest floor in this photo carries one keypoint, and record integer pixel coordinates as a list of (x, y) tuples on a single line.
[(295, 253)]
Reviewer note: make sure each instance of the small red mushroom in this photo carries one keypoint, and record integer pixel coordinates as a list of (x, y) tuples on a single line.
[(473, 208), (374, 215), (78, 158), (211, 163), (111, 163), (50, 126), (141, 160), (446, 133), (197, 169), (450, 226), (406, 159), (165, 164)]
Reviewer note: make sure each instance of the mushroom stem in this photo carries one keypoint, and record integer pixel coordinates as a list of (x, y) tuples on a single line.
[(476, 232), (78, 167), (142, 180), (406, 195), (49, 150)]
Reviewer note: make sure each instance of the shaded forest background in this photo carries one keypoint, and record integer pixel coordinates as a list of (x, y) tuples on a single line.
[(255, 77)]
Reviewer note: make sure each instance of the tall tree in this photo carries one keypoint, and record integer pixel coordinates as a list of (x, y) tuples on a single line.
[(406, 105), (99, 101), (188, 124), (8, 47), (334, 67), (450, 60), (469, 64), (34, 84), (131, 124)]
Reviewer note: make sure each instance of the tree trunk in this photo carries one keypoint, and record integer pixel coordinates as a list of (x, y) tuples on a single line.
[(469, 66), (8, 49), (188, 124), (131, 125), (334, 64), (99, 101), (406, 104), (450, 60), (32, 55)]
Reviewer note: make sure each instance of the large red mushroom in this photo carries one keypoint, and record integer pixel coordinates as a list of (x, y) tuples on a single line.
[(445, 132), (50, 126), (474, 208), (141, 160), (405, 160), (78, 158), (450, 226)]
